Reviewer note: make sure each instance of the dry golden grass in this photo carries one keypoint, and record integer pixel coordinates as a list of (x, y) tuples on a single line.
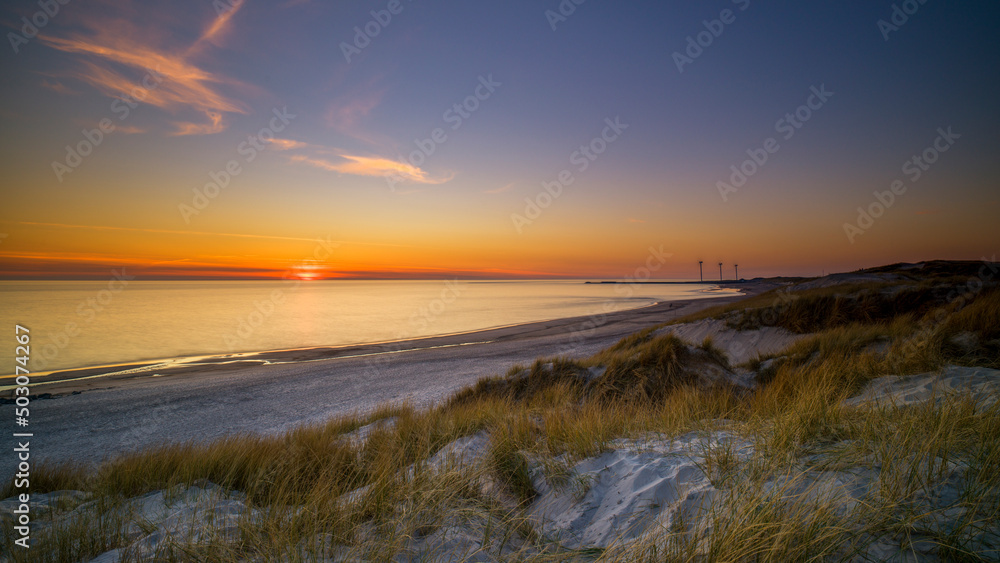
[(298, 481)]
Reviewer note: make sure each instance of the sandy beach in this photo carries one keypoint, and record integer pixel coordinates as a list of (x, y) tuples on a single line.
[(92, 418)]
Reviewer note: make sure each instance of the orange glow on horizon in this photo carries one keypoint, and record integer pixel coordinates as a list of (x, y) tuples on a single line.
[(53, 250)]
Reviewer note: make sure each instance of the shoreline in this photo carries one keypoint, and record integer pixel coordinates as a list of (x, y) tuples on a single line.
[(210, 400), (73, 380)]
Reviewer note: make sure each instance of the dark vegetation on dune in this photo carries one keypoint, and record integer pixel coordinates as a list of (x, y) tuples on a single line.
[(640, 367), (815, 310), (951, 306), (935, 269)]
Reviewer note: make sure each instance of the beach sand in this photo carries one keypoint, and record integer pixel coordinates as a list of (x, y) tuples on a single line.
[(272, 392)]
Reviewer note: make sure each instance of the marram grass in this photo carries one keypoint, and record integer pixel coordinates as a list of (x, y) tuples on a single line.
[(299, 482)]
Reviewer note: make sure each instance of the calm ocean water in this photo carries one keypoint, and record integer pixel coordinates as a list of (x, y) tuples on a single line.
[(76, 324)]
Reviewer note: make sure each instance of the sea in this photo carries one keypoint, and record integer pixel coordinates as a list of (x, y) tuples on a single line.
[(77, 324)]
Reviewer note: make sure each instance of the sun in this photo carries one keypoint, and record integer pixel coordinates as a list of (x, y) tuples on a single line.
[(308, 271)]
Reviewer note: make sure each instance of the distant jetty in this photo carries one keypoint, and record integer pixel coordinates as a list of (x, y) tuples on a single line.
[(666, 282)]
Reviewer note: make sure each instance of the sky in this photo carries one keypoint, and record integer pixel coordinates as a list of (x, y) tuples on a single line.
[(519, 139)]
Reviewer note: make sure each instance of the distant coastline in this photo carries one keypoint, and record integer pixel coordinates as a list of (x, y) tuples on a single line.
[(632, 282)]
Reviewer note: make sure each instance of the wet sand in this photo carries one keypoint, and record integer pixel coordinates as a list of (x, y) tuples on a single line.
[(91, 418)]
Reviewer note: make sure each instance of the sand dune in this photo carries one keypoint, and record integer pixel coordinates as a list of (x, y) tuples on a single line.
[(738, 345), (981, 384), (636, 491)]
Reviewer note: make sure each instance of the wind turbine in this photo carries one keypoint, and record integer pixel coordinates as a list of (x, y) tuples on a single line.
[(700, 274), (737, 266), (720, 271)]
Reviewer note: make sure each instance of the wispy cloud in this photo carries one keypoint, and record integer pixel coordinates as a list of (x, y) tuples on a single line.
[(215, 126), (128, 129), (501, 189), (372, 166), (336, 160), (59, 87), (346, 115), (288, 144), (631, 220), (218, 27), (116, 63)]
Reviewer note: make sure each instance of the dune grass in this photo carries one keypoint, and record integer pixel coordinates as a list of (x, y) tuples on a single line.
[(317, 491), (816, 309)]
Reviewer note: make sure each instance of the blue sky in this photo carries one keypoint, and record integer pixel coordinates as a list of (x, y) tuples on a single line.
[(455, 211)]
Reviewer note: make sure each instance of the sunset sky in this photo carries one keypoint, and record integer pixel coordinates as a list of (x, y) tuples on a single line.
[(404, 139)]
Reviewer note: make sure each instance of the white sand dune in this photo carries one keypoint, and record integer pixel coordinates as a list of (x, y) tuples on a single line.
[(739, 345), (465, 451), (634, 492), (644, 487), (636, 487), (357, 438), (198, 514), (982, 384)]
